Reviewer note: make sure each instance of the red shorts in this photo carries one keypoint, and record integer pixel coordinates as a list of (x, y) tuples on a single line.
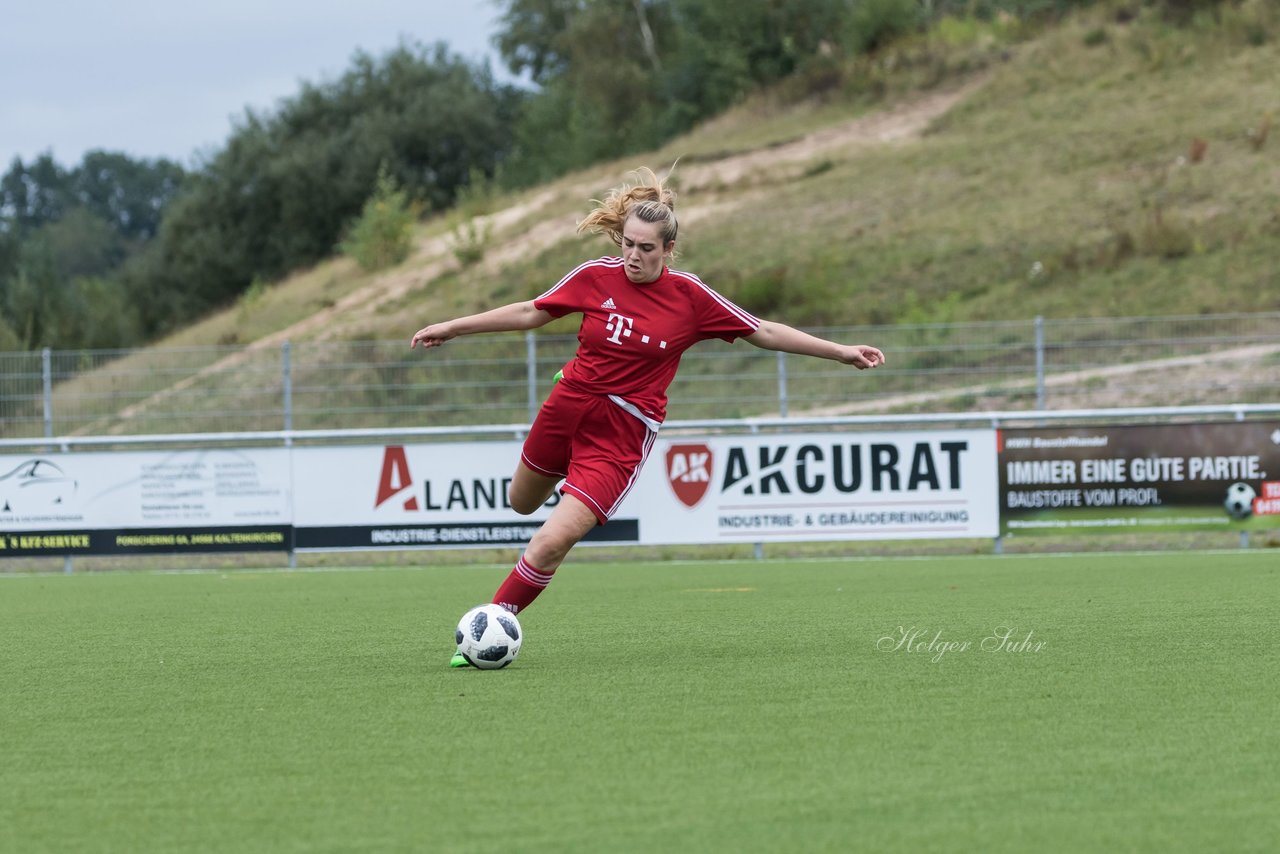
[(593, 443)]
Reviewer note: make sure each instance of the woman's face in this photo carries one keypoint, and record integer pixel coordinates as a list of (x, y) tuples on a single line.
[(642, 251)]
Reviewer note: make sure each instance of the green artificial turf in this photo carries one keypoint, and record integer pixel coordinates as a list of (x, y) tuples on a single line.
[(746, 706)]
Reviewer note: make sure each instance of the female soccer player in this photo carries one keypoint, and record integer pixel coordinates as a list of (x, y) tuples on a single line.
[(601, 419)]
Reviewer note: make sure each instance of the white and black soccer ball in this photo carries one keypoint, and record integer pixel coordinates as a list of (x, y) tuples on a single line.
[(1239, 502), (489, 637)]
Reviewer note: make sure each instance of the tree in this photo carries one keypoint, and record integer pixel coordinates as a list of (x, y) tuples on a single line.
[(80, 244), (532, 38), (45, 299), (599, 63), (33, 295), (381, 235), (63, 236), (130, 194), (10, 246), (284, 187), (618, 77), (31, 196), (103, 316)]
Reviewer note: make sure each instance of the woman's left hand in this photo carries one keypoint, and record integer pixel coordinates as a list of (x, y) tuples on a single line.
[(862, 356)]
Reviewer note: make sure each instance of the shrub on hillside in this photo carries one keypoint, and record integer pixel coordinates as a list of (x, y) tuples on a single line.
[(382, 235), (874, 23)]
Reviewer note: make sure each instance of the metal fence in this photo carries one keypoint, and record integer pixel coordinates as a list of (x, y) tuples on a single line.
[(497, 379)]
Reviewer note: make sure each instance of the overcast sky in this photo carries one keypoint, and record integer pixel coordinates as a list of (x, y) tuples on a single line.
[(158, 78)]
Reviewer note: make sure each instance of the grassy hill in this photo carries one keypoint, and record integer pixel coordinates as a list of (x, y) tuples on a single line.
[(1114, 165), (1111, 166)]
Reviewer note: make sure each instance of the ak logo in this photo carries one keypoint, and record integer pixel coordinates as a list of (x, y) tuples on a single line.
[(689, 472)]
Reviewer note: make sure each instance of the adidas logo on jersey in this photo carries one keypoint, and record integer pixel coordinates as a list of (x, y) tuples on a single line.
[(608, 304)]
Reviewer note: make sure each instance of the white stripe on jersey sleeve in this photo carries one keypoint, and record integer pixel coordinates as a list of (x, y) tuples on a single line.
[(740, 313), (607, 261)]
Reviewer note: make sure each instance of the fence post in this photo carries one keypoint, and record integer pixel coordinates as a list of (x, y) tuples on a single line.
[(286, 385), (757, 548), (782, 384), (46, 383), (531, 369), (46, 376), (286, 403), (997, 545), (1040, 363)]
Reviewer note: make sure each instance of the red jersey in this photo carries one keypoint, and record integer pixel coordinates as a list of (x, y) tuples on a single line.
[(632, 336)]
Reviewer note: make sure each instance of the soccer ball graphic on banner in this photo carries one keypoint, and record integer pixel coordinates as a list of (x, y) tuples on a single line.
[(1239, 501), (489, 637)]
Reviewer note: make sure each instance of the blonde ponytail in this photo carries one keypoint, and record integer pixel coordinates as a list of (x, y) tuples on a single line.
[(649, 201)]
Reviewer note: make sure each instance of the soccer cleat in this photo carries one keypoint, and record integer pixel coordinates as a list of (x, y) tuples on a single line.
[(459, 660), (559, 376)]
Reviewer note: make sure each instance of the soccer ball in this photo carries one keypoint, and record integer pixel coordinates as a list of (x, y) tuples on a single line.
[(1239, 501), (489, 637)]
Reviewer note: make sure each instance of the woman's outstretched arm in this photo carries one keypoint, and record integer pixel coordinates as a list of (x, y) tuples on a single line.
[(778, 336), (508, 318)]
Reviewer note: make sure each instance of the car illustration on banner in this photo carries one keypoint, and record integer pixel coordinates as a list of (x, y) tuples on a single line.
[(35, 485)]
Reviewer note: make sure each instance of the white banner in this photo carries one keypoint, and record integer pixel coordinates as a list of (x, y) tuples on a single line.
[(202, 499), (819, 486), (414, 496), (222, 486), (696, 489), (785, 487)]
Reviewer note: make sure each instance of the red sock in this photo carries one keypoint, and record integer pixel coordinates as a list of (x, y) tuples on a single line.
[(521, 587)]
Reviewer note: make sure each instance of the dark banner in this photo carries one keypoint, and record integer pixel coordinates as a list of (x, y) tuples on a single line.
[(1151, 477), (497, 534), (146, 541)]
